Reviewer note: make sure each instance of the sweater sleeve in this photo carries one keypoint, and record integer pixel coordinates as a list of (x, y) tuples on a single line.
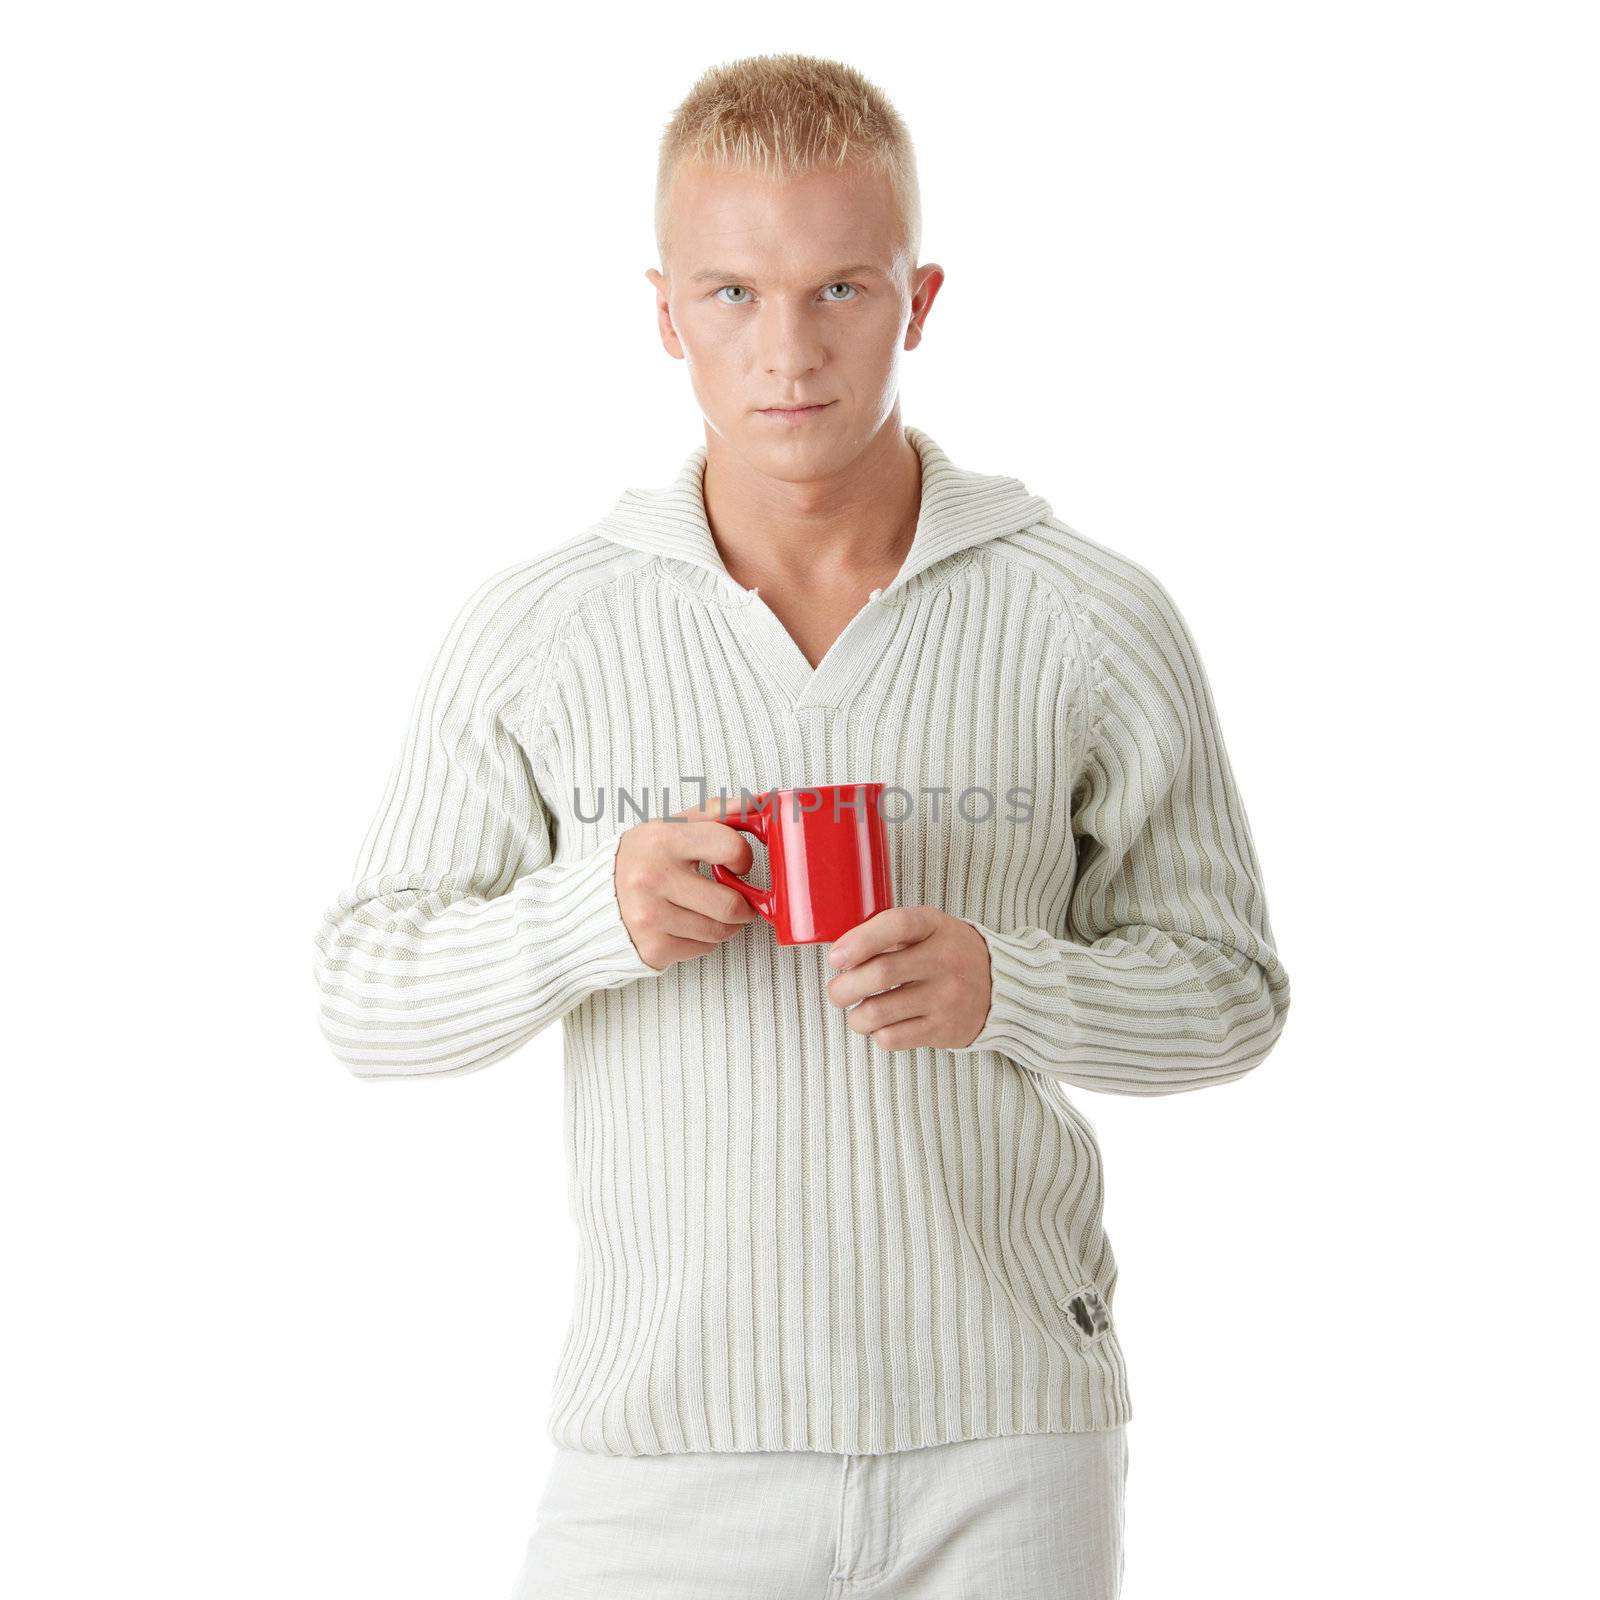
[(460, 936), (1167, 978)]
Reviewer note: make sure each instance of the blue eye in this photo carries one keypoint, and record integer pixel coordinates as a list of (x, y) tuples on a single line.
[(833, 299)]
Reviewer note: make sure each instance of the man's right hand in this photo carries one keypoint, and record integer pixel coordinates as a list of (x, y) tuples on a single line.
[(673, 911)]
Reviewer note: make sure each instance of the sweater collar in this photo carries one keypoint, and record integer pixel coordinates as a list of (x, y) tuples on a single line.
[(959, 509)]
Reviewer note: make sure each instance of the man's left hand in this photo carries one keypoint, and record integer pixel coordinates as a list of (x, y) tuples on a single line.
[(913, 976)]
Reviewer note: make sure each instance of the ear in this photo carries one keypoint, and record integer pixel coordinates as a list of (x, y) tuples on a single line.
[(669, 335), (925, 286)]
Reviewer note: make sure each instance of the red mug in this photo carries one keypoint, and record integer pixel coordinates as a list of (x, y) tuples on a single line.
[(829, 856)]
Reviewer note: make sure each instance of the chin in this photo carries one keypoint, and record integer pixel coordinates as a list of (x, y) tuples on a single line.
[(797, 452)]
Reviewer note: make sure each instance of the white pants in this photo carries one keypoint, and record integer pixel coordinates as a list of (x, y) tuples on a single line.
[(1025, 1517)]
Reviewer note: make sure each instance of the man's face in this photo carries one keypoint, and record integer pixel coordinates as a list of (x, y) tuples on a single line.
[(790, 293)]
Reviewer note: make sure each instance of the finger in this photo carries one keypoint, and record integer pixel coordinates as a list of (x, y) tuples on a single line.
[(710, 842), (688, 949), (698, 891), (905, 1004), (689, 897), (894, 928), (899, 966), (681, 923), (713, 807), (660, 910), (678, 901), (915, 1033)]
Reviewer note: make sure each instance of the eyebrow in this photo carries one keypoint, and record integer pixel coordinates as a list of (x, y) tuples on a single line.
[(718, 275)]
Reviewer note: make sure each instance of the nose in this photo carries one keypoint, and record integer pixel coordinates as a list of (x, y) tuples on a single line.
[(791, 342)]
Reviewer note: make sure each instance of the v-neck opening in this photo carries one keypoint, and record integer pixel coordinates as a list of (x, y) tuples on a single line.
[(805, 684), (958, 512)]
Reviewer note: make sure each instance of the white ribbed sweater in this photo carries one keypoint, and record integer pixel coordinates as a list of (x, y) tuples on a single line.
[(790, 1238)]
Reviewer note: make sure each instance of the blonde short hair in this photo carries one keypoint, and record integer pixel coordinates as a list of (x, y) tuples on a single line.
[(785, 115)]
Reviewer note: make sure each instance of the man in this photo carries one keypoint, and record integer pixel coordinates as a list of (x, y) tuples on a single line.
[(844, 1311)]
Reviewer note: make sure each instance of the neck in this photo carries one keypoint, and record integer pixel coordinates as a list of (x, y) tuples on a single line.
[(856, 523)]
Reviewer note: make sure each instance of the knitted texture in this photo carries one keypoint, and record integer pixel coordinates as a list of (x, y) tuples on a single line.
[(789, 1237)]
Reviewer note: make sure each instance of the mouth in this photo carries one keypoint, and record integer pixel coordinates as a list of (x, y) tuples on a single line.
[(794, 413)]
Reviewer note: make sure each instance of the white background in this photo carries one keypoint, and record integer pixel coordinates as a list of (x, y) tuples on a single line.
[(305, 305)]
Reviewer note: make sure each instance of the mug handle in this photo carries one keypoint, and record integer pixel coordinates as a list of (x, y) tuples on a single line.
[(753, 822)]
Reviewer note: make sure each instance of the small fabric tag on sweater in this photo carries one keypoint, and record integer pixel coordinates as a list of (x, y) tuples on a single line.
[(1088, 1312)]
